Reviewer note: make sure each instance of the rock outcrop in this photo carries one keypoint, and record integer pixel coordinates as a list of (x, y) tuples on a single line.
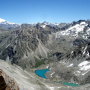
[(7, 83)]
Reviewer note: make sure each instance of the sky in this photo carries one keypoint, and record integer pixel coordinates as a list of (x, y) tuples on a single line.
[(54, 11)]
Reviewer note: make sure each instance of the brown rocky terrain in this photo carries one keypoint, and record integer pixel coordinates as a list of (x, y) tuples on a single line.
[(6, 82)]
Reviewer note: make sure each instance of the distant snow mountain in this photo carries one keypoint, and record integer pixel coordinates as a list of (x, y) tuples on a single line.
[(8, 25), (2, 21), (51, 24), (59, 25), (75, 30)]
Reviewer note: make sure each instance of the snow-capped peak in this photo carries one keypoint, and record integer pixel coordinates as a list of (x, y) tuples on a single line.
[(73, 30), (2, 20), (8, 25), (51, 24)]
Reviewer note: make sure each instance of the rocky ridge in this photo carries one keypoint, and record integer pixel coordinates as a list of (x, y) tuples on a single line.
[(65, 49)]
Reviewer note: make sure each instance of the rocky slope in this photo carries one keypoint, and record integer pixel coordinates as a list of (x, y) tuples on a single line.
[(29, 42), (7, 83), (71, 63), (27, 80), (65, 48)]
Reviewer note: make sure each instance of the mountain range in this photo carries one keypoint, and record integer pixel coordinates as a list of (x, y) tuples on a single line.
[(62, 48)]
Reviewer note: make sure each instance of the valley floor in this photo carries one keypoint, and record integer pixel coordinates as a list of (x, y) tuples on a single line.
[(30, 81)]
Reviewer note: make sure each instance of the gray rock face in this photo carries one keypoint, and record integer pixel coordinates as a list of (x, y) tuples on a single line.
[(9, 26), (74, 45), (62, 46), (28, 42)]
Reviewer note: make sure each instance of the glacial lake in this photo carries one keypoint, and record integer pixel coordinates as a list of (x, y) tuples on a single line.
[(41, 73), (70, 84)]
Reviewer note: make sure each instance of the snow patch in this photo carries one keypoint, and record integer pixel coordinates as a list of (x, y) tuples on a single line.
[(71, 65), (47, 66), (84, 50), (85, 65), (43, 26), (74, 30), (52, 88), (52, 74), (10, 22), (87, 53), (71, 52), (2, 20), (84, 68), (82, 23)]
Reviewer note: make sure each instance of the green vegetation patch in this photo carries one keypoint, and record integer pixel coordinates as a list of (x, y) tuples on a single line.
[(41, 62)]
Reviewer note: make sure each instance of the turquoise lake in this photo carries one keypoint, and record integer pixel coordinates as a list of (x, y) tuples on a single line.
[(70, 84), (41, 73)]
